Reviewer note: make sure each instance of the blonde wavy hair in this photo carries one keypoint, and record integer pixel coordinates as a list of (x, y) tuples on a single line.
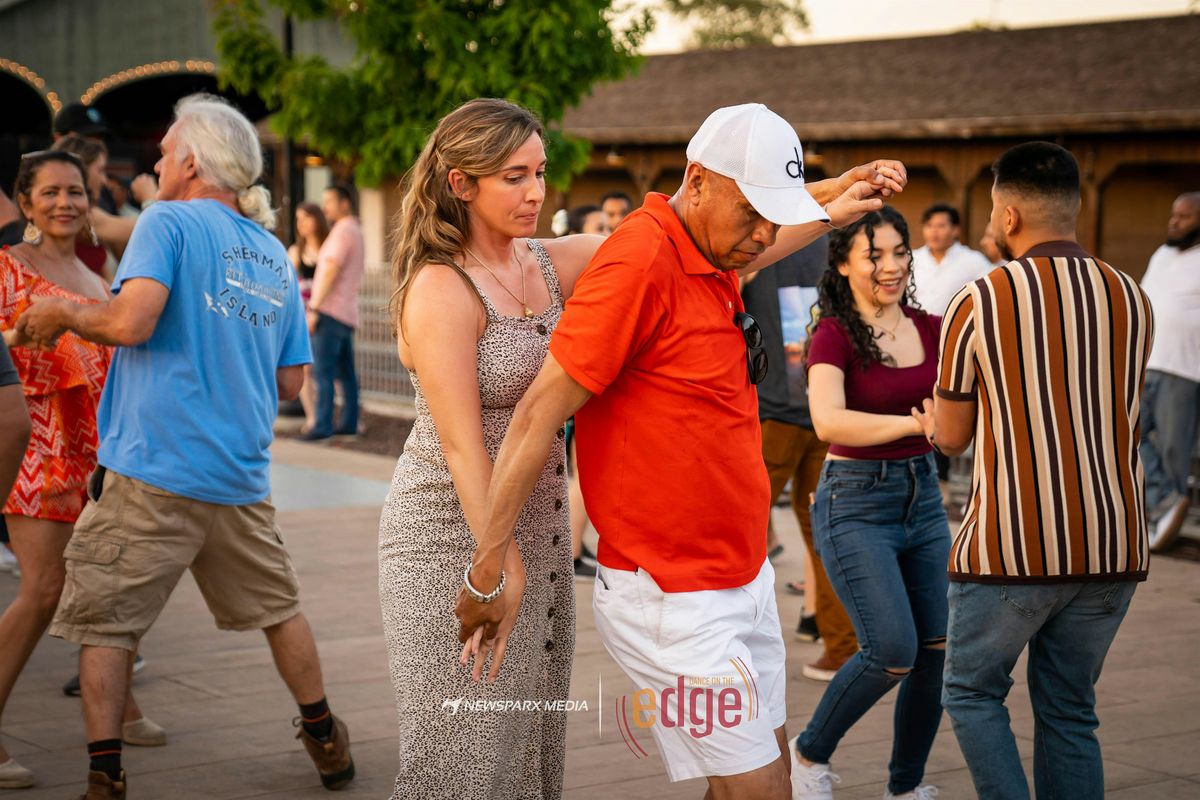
[(477, 138)]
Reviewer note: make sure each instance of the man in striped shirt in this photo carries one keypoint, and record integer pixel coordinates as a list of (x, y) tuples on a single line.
[(1043, 362)]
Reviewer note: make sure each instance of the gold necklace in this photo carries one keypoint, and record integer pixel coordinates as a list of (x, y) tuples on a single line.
[(891, 333), (524, 306)]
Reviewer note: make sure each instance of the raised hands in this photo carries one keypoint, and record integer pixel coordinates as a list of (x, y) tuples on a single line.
[(863, 189), (886, 175)]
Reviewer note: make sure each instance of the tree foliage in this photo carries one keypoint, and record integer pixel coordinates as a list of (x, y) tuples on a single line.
[(418, 59), (740, 23)]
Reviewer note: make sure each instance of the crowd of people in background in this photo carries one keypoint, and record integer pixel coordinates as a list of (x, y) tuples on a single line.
[(848, 376)]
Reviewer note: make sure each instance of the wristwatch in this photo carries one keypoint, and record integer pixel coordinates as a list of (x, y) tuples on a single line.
[(475, 594)]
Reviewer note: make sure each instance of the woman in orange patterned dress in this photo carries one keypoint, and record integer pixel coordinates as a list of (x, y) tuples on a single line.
[(62, 388)]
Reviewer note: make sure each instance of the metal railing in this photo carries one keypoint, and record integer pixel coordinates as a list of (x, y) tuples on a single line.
[(381, 376)]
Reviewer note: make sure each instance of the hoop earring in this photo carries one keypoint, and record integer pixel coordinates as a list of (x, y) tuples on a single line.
[(33, 234)]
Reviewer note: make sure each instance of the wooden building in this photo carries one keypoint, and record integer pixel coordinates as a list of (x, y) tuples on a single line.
[(1124, 97)]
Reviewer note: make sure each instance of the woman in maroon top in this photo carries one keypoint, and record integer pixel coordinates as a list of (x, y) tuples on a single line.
[(878, 521)]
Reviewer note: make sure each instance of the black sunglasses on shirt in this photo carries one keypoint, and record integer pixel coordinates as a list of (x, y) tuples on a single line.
[(756, 357)]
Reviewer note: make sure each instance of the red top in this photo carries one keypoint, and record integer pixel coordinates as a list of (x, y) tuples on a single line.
[(62, 388), (670, 448), (880, 389)]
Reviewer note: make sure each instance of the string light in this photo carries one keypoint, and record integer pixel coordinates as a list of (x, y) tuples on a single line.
[(157, 69), (33, 79)]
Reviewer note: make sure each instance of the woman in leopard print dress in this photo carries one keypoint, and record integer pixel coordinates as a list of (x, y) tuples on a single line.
[(475, 305)]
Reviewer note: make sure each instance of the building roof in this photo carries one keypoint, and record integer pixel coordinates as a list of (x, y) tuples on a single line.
[(1137, 74)]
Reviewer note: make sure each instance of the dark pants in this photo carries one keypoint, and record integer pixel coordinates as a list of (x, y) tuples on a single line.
[(795, 453), (882, 533), (1068, 628), (333, 359)]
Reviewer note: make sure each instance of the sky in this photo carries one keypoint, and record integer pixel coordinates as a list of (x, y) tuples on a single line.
[(833, 20)]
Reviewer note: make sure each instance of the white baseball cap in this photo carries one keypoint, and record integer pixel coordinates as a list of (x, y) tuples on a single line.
[(760, 151)]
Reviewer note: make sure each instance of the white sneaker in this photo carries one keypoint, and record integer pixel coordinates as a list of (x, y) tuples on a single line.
[(922, 792), (14, 776), (811, 783), (1166, 530)]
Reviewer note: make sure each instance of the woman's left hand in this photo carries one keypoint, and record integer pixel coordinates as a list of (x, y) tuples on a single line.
[(887, 176), (477, 646)]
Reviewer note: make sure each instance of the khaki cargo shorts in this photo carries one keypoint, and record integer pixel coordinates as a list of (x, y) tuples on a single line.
[(133, 542)]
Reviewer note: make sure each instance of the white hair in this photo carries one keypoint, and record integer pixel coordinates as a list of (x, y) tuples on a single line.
[(226, 150)]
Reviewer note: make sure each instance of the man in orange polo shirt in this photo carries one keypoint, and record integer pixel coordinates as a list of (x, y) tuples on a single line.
[(655, 341)]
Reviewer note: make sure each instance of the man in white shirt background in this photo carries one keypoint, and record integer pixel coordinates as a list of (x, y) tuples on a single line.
[(941, 267), (1171, 402)]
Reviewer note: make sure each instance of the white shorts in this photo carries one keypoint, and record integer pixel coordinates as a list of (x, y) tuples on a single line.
[(724, 647)]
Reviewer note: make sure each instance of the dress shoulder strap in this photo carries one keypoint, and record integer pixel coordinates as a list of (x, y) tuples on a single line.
[(548, 271)]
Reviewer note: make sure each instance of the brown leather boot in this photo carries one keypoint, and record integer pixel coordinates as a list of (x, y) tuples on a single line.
[(334, 764), (102, 787)]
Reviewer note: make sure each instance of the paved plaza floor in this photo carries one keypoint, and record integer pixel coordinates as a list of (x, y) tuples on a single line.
[(229, 717)]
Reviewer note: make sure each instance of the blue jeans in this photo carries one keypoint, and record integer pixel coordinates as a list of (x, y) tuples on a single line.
[(880, 529), (1170, 406), (333, 359), (1068, 627)]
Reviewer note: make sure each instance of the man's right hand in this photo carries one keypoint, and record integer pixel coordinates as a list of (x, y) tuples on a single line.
[(853, 204)]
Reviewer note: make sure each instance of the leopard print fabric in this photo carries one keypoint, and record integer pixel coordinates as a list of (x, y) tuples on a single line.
[(448, 750)]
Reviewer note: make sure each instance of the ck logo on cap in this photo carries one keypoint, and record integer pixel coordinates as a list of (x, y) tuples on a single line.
[(795, 167)]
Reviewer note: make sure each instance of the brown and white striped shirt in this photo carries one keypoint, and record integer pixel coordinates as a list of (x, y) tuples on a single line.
[(1053, 346)]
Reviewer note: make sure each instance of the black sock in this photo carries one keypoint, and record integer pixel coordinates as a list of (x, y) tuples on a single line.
[(316, 719), (106, 757)]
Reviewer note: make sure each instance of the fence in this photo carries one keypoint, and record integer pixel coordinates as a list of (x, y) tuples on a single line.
[(381, 376)]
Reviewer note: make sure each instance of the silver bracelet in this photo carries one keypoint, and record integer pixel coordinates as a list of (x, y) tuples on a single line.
[(829, 221), (475, 594)]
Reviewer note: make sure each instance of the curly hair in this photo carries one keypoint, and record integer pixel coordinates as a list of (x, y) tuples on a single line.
[(834, 297)]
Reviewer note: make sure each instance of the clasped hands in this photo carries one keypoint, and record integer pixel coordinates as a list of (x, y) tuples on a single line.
[(484, 628), (864, 189), (39, 325)]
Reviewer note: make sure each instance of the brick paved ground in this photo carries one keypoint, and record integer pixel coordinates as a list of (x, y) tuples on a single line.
[(228, 714)]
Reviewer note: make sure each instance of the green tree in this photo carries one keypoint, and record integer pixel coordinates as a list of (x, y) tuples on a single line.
[(740, 23), (418, 59)]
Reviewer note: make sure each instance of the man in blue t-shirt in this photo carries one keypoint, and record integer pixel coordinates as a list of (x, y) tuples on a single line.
[(210, 332)]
